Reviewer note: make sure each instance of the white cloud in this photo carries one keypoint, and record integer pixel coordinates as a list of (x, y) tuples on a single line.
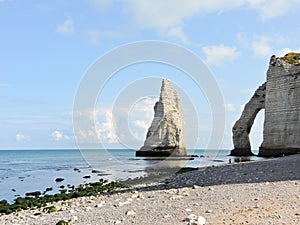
[(168, 16), (172, 13), (271, 9), (219, 54), (102, 5), (230, 107), (59, 135), (261, 47), (141, 116), (142, 124), (94, 36), (96, 126), (178, 33), (22, 137), (67, 27), (106, 131), (284, 51)]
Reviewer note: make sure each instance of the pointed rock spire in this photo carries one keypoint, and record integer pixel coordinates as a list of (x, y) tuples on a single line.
[(165, 137)]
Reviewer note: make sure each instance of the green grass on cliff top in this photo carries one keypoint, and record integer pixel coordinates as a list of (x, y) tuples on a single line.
[(292, 58)]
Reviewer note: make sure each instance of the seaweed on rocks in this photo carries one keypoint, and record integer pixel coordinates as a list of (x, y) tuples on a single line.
[(28, 202)]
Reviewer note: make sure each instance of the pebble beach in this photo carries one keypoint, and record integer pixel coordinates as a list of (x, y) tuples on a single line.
[(258, 192)]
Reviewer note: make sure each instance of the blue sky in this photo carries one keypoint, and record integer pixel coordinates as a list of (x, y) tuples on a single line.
[(46, 47)]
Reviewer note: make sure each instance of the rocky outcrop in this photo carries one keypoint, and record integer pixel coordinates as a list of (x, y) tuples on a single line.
[(165, 137), (281, 133), (280, 98), (242, 127)]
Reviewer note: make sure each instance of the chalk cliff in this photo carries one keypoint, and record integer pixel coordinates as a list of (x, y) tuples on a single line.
[(282, 107), (165, 137), (280, 96)]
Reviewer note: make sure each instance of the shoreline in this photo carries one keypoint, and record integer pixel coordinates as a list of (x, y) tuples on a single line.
[(225, 194), (25, 179)]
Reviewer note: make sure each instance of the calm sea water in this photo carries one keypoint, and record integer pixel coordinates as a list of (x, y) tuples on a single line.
[(24, 171)]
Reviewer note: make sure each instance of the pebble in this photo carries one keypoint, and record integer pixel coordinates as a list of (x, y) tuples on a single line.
[(208, 211), (74, 218), (137, 195), (88, 208), (192, 219), (176, 197), (130, 212), (256, 206)]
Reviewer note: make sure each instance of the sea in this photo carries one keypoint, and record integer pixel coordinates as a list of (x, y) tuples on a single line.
[(23, 171)]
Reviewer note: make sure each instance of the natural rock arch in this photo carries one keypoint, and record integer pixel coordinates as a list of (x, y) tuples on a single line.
[(242, 127)]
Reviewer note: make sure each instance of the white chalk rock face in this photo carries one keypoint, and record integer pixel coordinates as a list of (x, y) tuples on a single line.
[(280, 96), (166, 137), (282, 104)]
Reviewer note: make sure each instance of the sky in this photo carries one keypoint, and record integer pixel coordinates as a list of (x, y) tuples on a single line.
[(48, 47)]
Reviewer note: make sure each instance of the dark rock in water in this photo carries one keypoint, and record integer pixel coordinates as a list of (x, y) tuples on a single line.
[(14, 190), (76, 169), (87, 177), (165, 136), (71, 186), (241, 152), (62, 186), (96, 171), (241, 159), (59, 179), (103, 174), (47, 190), (63, 191), (21, 177), (218, 160), (34, 193), (103, 181)]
